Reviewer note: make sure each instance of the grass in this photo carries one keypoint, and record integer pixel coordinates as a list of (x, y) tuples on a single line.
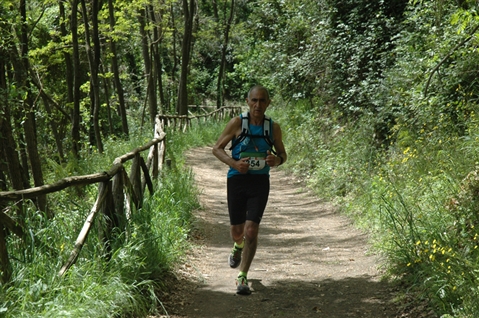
[(127, 284), (413, 197)]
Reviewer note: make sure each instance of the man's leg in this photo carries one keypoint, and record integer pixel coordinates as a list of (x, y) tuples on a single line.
[(250, 232), (237, 207), (237, 234), (251, 242)]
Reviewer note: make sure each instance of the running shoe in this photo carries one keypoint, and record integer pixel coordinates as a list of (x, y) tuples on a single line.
[(242, 287), (234, 258)]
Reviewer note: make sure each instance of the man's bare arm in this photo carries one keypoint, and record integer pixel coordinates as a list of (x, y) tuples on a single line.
[(281, 155), (228, 133)]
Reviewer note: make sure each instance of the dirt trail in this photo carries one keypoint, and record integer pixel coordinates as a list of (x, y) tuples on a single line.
[(310, 262)]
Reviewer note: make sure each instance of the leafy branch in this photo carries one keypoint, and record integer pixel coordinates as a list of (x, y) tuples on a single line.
[(434, 70)]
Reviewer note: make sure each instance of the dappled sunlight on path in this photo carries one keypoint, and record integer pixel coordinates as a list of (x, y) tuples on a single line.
[(310, 262)]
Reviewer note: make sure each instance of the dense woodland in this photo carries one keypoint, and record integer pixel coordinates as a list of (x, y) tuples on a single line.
[(380, 101)]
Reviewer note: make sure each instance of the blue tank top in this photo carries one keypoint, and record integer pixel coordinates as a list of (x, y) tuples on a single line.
[(252, 147)]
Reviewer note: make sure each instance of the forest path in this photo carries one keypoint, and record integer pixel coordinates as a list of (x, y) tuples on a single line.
[(311, 261)]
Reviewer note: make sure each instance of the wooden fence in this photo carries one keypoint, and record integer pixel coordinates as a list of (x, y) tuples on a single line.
[(117, 191), (183, 122)]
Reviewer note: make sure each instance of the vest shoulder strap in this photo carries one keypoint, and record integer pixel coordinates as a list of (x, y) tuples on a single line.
[(245, 132), (267, 124)]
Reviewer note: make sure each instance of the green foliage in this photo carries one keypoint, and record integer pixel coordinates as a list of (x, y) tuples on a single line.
[(422, 214), (413, 196), (156, 238), (332, 157), (199, 134), (425, 216), (361, 41), (424, 219), (431, 85), (285, 50), (127, 284)]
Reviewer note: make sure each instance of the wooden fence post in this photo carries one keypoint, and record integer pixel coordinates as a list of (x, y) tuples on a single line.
[(156, 165), (7, 223), (161, 153), (135, 179), (146, 177), (153, 160), (130, 195), (102, 192), (119, 199), (110, 219), (5, 266)]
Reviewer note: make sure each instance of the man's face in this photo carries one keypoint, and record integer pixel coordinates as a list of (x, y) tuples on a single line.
[(258, 101)]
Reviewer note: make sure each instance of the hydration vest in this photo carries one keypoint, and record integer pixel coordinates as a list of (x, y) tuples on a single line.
[(245, 132)]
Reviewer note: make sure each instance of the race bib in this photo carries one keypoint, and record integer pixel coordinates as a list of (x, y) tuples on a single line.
[(257, 160)]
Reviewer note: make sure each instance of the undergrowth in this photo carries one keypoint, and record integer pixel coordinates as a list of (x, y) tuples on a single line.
[(417, 197), (126, 281)]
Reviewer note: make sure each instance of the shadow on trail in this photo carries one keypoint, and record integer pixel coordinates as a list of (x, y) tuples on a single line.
[(310, 261), (326, 298), (300, 270)]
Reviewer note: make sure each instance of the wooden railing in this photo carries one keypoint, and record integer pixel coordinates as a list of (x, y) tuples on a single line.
[(117, 191), (177, 122)]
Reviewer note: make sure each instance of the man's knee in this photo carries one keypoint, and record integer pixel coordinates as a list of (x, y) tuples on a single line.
[(237, 232), (251, 231)]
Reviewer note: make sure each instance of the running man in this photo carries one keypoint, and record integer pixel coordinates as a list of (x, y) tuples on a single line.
[(255, 148)]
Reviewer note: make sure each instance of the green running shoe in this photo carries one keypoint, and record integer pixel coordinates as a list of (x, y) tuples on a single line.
[(234, 258), (242, 287)]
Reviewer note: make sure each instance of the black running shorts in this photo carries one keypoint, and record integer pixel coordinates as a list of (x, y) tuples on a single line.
[(247, 197)]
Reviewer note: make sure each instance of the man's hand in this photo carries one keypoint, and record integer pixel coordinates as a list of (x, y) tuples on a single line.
[(271, 159), (242, 165)]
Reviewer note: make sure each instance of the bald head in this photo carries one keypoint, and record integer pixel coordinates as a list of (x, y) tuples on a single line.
[(258, 88)]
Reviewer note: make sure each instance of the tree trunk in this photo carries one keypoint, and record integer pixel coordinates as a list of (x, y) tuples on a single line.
[(116, 72), (215, 11), (96, 6), (106, 87), (189, 13), (66, 55), (220, 84), (157, 58), (76, 81), (9, 155), (5, 266), (68, 65), (29, 121), (55, 127), (17, 118), (7, 142), (94, 62), (3, 164), (174, 36), (149, 72)]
